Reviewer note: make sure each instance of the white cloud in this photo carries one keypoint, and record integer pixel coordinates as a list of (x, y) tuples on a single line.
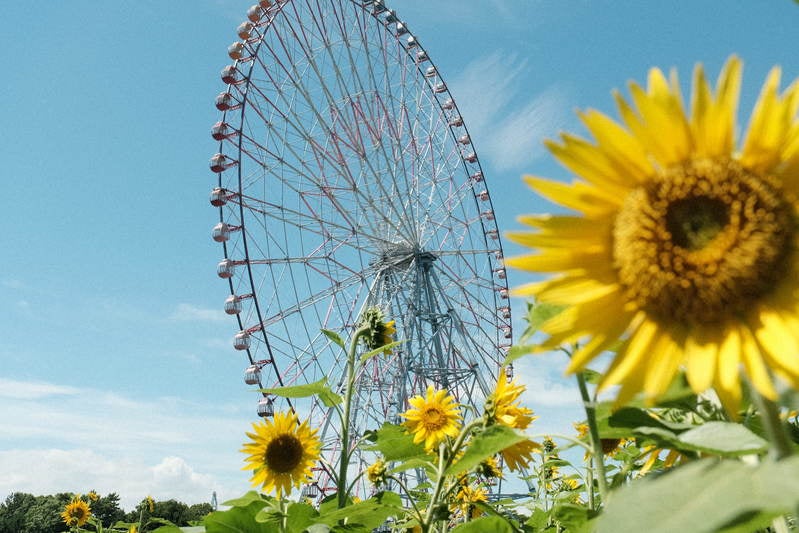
[(507, 124), (65, 439), (31, 390), (192, 313), (56, 470), (546, 384)]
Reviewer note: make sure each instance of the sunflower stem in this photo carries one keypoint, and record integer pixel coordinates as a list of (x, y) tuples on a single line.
[(443, 464), (344, 461), (597, 456), (775, 429)]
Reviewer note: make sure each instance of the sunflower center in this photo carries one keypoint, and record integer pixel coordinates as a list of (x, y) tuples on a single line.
[(702, 241), (695, 222), (434, 419), (283, 453)]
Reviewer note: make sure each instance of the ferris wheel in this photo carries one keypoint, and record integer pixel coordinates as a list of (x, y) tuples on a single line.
[(347, 180)]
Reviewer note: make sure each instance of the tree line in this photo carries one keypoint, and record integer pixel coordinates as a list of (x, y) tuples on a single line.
[(26, 513)]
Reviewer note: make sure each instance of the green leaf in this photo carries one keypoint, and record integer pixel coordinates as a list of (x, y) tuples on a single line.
[(416, 462), (592, 376), (631, 421), (247, 499), (368, 514), (167, 529), (372, 353), (487, 443), (574, 518), (518, 350), (299, 516), (319, 388), (395, 444), (538, 314), (709, 495), (333, 336), (494, 524), (722, 438), (239, 519), (539, 519)]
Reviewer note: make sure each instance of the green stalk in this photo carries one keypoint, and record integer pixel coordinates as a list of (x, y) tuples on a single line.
[(775, 430), (345, 422), (442, 466), (597, 455)]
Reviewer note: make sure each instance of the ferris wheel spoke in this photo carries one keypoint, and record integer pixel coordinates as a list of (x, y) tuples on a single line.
[(355, 186), (308, 302)]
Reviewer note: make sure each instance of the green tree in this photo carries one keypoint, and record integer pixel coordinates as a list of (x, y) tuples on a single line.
[(198, 511), (172, 510), (13, 511), (44, 516), (107, 509)]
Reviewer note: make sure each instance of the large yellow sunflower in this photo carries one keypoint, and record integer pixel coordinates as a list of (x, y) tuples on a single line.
[(76, 513), (281, 453), (432, 418), (685, 247)]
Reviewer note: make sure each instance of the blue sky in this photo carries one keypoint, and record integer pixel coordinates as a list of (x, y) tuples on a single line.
[(117, 371)]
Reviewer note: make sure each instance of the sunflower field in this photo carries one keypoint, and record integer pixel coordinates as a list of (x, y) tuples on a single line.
[(671, 285)]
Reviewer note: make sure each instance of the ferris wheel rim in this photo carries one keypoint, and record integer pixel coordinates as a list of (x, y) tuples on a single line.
[(468, 161)]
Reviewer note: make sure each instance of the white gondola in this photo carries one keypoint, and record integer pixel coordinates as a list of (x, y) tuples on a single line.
[(252, 375), (233, 305), (242, 340), (266, 407), (221, 232), (225, 269)]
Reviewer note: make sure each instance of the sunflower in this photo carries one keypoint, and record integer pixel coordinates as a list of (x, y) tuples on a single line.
[(76, 513), (502, 407), (376, 472), (467, 497), (489, 469), (92, 495), (432, 418), (503, 404), (379, 331), (281, 453), (609, 446), (685, 247)]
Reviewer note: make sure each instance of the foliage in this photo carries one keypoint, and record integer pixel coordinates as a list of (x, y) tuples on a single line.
[(641, 462)]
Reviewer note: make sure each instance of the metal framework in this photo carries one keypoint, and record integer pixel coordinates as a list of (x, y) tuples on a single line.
[(347, 179)]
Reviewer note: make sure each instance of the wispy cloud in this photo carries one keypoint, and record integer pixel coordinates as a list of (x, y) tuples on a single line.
[(507, 121), (33, 390), (191, 313)]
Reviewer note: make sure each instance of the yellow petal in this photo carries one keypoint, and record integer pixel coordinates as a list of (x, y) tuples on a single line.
[(755, 369), (624, 151), (701, 354), (727, 382), (571, 228), (713, 120), (600, 239), (630, 362), (569, 290), (560, 259), (767, 128), (660, 124), (586, 319), (591, 201), (666, 356), (601, 341), (778, 340)]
